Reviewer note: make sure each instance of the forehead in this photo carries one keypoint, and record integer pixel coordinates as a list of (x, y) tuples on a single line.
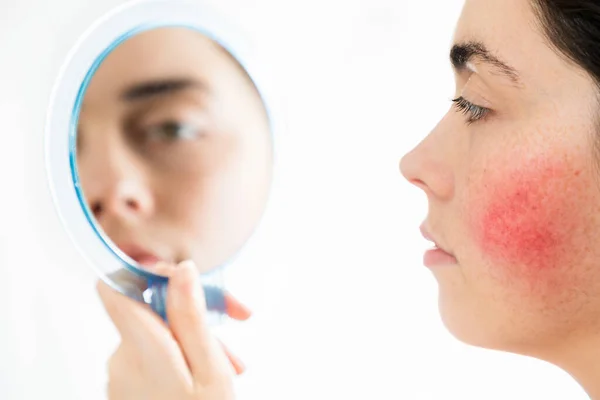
[(510, 29), (158, 54)]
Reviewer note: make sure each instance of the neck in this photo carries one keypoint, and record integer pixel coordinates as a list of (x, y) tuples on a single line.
[(581, 360)]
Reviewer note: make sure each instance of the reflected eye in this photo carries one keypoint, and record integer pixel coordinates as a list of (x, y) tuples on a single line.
[(173, 130), (473, 112)]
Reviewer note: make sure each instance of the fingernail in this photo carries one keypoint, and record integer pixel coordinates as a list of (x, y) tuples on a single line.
[(235, 309), (187, 264), (238, 366)]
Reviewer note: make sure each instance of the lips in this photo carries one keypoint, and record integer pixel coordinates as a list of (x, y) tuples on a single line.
[(429, 237), (436, 256), (426, 233), (141, 256)]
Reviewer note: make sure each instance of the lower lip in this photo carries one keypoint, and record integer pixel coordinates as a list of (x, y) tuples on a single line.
[(437, 257), (148, 262)]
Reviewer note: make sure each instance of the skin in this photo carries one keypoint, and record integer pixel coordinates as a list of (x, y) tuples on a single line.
[(158, 362), (515, 197), (193, 191)]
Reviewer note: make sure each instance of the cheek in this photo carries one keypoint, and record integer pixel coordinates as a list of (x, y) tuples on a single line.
[(527, 221)]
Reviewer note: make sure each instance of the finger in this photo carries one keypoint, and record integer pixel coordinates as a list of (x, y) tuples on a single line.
[(151, 345), (122, 373), (186, 312), (235, 309), (236, 363)]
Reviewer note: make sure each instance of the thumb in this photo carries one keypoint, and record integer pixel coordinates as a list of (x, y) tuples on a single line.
[(186, 312)]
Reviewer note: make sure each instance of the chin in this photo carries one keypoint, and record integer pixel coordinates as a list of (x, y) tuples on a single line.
[(470, 327), (464, 329), (498, 334)]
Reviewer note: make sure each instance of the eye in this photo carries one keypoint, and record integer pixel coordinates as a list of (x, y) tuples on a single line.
[(472, 111), (173, 130)]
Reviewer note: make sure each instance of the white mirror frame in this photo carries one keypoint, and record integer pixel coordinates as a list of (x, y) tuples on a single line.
[(60, 131)]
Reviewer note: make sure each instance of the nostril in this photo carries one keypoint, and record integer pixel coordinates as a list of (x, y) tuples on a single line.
[(418, 183), (96, 209), (132, 204)]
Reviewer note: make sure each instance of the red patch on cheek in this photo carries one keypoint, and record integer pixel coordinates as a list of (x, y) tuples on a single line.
[(524, 220)]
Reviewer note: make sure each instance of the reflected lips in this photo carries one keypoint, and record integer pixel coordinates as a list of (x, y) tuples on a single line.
[(436, 256), (141, 256)]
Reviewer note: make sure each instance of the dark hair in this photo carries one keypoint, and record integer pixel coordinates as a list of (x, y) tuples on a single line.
[(573, 28)]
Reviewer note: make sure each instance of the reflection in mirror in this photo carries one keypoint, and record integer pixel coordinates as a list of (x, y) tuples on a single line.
[(174, 150)]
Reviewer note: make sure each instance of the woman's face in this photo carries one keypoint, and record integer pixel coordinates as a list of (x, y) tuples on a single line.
[(511, 175), (174, 149)]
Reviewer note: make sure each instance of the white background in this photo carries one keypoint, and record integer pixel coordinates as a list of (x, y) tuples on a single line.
[(343, 307)]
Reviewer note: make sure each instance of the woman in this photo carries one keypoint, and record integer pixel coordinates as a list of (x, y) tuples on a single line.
[(511, 174)]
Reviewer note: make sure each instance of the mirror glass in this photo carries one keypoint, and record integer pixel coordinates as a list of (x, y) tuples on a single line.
[(173, 150)]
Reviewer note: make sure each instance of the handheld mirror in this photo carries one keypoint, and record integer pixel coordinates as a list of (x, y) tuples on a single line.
[(160, 148)]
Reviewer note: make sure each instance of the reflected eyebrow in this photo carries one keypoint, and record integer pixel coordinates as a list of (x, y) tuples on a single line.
[(462, 53), (161, 87)]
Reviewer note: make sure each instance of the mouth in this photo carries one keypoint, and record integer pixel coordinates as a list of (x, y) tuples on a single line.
[(145, 258), (436, 256)]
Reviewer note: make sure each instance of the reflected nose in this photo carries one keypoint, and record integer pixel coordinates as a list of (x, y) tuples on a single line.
[(114, 183), (125, 198)]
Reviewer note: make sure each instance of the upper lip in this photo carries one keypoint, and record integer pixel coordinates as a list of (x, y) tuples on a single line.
[(429, 236)]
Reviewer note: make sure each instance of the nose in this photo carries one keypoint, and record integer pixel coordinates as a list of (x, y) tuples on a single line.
[(428, 167), (115, 185)]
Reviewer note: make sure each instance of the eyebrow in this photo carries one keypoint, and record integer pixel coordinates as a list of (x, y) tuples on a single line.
[(463, 53), (160, 87)]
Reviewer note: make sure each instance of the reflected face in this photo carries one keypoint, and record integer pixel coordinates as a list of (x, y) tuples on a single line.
[(174, 149), (512, 180)]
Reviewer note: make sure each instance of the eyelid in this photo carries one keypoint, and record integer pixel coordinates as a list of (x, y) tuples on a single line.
[(472, 111), (477, 100), (182, 113), (472, 92), (185, 116)]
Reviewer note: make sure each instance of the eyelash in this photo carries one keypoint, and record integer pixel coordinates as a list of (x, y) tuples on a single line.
[(473, 112)]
